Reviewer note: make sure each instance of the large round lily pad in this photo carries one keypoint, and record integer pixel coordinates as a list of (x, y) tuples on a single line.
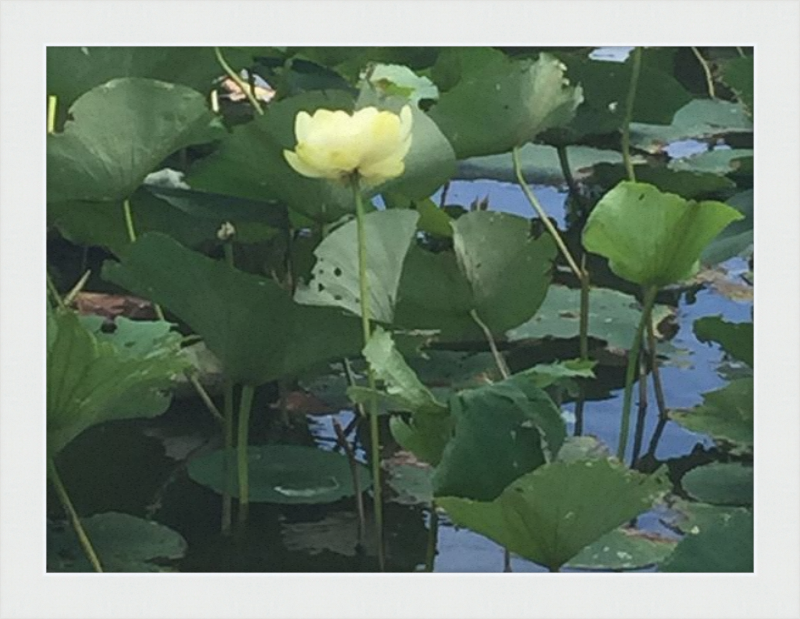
[(281, 474)]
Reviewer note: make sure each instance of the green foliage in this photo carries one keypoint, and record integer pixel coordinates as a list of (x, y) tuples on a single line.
[(501, 104), (737, 238), (120, 132), (335, 276), (501, 432), (720, 161), (93, 379), (720, 484), (724, 545), (249, 322), (123, 542), (738, 75), (726, 414), (685, 183), (735, 338), (623, 549), (551, 514), (653, 238), (613, 317), (288, 474)]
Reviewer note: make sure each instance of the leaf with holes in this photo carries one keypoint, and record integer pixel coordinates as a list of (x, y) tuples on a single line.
[(335, 276)]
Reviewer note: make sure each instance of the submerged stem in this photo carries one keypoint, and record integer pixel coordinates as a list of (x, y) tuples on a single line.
[(245, 405), (633, 357), (75, 520), (626, 122), (375, 455)]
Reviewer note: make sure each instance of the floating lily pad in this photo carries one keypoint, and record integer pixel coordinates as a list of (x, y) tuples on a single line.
[(335, 276), (653, 238), (551, 514), (93, 379), (613, 317), (688, 184), (726, 414), (123, 543), (249, 322), (502, 431), (724, 545), (700, 119), (523, 99), (539, 163), (720, 484), (120, 132), (719, 161), (281, 474), (547, 374), (735, 338), (624, 549)]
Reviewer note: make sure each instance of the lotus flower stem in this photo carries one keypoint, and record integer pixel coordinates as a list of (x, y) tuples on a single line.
[(633, 357), (52, 103), (88, 549), (626, 123), (245, 405), (373, 413), (245, 88)]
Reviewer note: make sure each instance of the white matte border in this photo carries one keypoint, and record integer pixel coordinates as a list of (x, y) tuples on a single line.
[(773, 27)]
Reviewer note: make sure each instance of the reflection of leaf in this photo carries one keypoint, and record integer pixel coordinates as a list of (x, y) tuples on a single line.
[(522, 99), (502, 431), (736, 339), (653, 238), (724, 545), (123, 542), (720, 484), (94, 379), (120, 132), (335, 276), (726, 414), (552, 513), (287, 474), (249, 322)]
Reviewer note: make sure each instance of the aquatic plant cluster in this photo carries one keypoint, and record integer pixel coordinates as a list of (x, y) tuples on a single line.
[(278, 218)]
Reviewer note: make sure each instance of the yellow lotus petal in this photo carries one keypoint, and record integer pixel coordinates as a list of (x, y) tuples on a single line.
[(300, 166)]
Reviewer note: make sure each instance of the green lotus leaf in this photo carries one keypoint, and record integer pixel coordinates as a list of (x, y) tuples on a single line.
[(736, 239), (613, 317), (720, 484), (120, 132), (287, 474), (653, 238), (719, 161), (522, 99), (735, 338), (549, 515), (426, 436), (249, 322), (394, 79), (688, 184), (724, 545), (501, 432), (72, 71), (738, 75), (335, 276), (124, 543), (92, 379), (726, 414), (623, 549)]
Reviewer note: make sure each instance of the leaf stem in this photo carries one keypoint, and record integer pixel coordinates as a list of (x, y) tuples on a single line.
[(498, 358), (542, 215), (563, 159), (77, 288), (245, 406), (75, 520), (373, 413), (227, 438), (51, 288), (626, 122), (201, 391), (126, 209), (633, 357), (433, 536), (351, 460), (707, 71), (245, 88)]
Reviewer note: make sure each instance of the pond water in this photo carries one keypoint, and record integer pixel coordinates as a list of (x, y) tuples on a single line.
[(322, 538)]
